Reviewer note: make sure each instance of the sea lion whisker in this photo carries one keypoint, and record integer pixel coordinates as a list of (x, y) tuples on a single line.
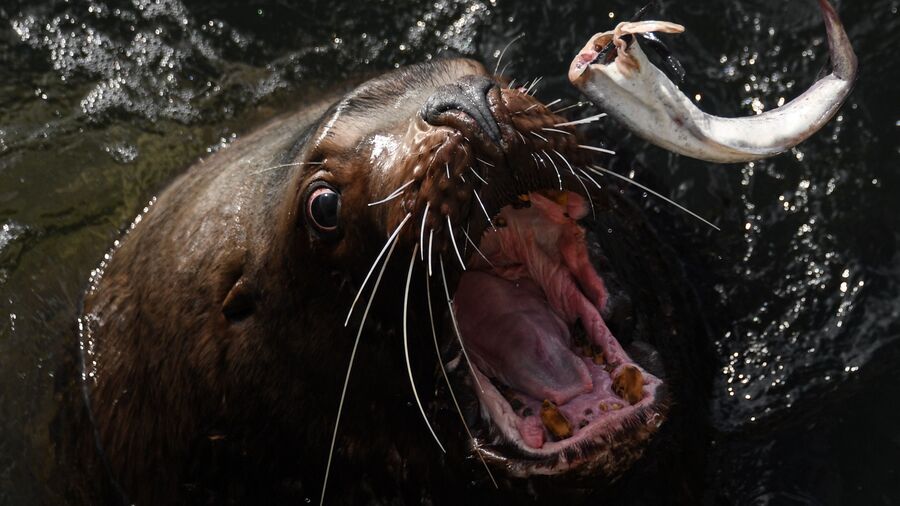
[(456, 324), (582, 121), (528, 90), (469, 239), (462, 178), (511, 84), (602, 171), (466, 232), (551, 104), (437, 350), (503, 70), (447, 168), (587, 194), (503, 51), (455, 247), (555, 168), (556, 130), (387, 244), (430, 244), (585, 174), (521, 137), (422, 231), (572, 170), (523, 111), (486, 215), (539, 136), (362, 325), (281, 166), (394, 194), (570, 106), (478, 176), (599, 150), (489, 164), (412, 382)]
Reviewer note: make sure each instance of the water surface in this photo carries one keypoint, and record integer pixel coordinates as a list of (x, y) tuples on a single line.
[(102, 103)]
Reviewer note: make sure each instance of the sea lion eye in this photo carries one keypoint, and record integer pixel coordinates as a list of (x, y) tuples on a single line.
[(323, 207)]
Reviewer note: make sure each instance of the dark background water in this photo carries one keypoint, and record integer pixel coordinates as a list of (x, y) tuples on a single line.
[(101, 103)]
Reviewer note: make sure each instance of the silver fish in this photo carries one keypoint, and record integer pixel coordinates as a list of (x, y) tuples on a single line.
[(639, 95)]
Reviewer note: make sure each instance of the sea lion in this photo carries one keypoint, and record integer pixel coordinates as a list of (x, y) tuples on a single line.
[(429, 207), (215, 336)]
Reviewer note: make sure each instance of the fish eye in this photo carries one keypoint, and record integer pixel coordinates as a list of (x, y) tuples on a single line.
[(323, 208)]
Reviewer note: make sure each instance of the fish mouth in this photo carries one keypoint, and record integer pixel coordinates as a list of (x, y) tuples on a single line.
[(557, 392)]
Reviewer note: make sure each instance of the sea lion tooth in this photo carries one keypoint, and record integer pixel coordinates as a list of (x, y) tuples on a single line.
[(554, 420), (629, 383)]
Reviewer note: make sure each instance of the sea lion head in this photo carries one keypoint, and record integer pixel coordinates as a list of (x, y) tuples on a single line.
[(438, 181)]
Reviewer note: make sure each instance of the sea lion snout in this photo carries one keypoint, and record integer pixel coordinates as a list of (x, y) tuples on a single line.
[(464, 105)]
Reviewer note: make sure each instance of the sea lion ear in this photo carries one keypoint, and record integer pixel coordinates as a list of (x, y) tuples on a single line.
[(238, 301), (238, 304)]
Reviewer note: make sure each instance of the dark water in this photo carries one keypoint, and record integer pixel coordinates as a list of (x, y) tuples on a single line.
[(101, 103)]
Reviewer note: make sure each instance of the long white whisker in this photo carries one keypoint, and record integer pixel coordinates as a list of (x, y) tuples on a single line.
[(477, 249), (539, 136), (591, 179), (582, 121), (648, 190), (528, 91), (422, 231), (561, 157), (599, 150), (437, 350), (572, 170), (558, 175), (478, 176), (394, 194), (503, 70), (486, 215), (587, 194), (430, 243), (267, 169), (453, 240), (456, 324), (571, 106), (530, 107), (362, 324), (499, 58), (511, 83), (447, 168), (556, 130), (551, 104), (466, 232), (489, 164), (375, 263), (412, 382)]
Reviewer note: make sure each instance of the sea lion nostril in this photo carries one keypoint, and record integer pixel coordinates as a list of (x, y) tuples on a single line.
[(469, 96)]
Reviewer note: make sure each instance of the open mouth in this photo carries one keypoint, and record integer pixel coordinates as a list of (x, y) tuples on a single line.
[(554, 384)]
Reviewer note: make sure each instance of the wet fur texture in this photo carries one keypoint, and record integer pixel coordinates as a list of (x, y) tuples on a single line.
[(217, 331)]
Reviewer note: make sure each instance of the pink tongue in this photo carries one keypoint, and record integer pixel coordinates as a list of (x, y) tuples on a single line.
[(517, 338)]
